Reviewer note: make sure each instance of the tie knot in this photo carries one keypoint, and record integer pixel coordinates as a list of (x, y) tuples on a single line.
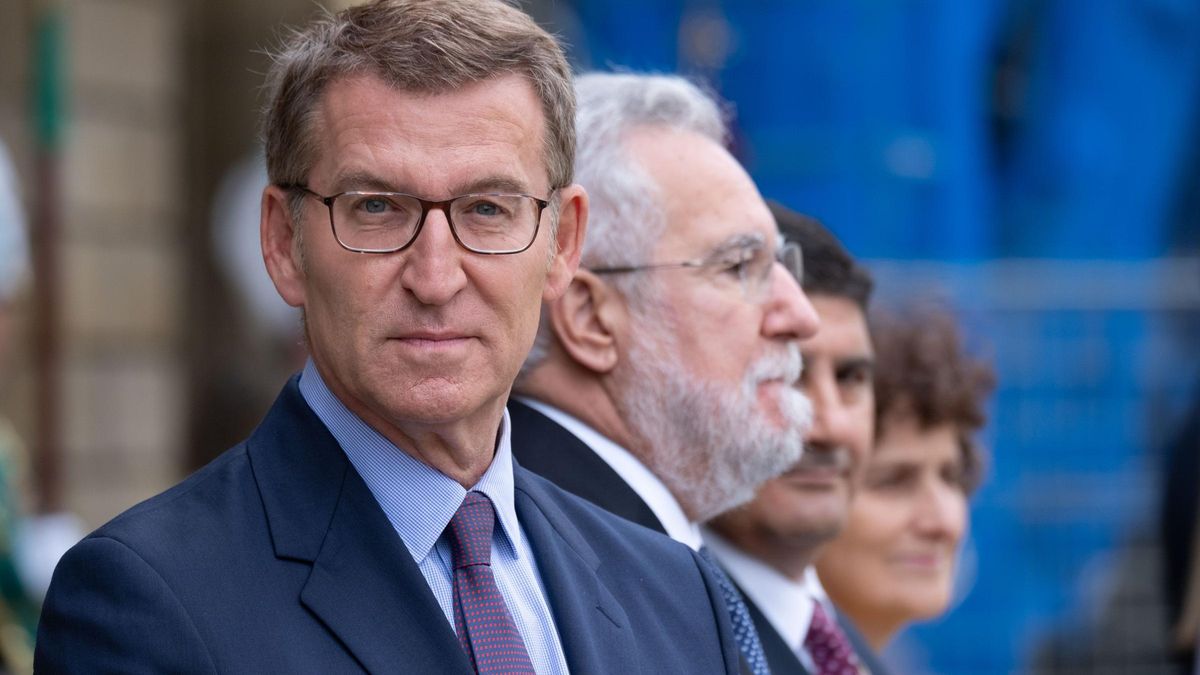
[(470, 531)]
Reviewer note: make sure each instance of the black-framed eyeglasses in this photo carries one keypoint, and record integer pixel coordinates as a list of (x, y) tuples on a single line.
[(490, 223), (748, 258)]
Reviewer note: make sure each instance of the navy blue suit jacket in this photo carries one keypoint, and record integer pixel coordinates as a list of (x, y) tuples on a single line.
[(783, 661), (276, 558), (548, 449), (545, 447)]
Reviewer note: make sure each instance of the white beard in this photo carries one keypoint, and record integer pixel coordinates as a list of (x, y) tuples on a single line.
[(712, 445)]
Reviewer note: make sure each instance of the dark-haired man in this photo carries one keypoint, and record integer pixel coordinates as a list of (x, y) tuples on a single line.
[(768, 545)]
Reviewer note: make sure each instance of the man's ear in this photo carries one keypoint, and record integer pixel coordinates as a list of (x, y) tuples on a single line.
[(279, 246), (572, 226), (587, 320)]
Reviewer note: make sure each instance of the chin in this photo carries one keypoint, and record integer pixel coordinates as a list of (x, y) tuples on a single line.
[(925, 605), (434, 402)]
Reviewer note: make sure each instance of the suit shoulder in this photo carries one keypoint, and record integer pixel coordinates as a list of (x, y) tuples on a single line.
[(596, 520), (208, 496), (661, 584)]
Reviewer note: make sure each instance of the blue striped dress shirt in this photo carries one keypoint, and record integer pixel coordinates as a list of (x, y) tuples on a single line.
[(420, 500)]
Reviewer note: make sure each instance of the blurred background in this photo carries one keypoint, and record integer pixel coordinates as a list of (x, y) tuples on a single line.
[(1035, 164)]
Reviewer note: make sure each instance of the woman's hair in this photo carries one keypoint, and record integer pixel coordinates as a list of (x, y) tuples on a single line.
[(922, 370)]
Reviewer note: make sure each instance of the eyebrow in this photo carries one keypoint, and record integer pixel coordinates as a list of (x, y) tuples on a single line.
[(737, 241), (495, 183), (364, 180), (360, 180), (857, 362)]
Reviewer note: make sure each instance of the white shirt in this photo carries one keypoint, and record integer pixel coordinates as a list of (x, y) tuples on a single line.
[(787, 604), (631, 470)]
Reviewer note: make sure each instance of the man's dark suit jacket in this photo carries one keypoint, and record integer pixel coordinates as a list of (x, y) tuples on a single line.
[(783, 661), (543, 446), (276, 558)]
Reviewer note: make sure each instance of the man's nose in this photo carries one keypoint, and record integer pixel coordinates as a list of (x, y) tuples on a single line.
[(433, 270), (832, 422), (789, 314)]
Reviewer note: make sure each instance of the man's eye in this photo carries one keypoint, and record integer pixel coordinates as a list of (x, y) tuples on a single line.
[(737, 262), (374, 205), (487, 209), (734, 267), (892, 479)]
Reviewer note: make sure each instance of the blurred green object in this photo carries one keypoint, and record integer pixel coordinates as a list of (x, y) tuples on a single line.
[(48, 59)]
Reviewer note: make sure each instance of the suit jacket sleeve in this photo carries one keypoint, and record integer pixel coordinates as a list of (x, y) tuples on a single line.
[(108, 611)]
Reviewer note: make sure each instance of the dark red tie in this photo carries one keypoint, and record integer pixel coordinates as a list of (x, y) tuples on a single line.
[(484, 626), (828, 646)]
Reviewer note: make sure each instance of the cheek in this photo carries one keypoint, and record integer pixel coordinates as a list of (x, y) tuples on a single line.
[(773, 508), (863, 415), (877, 524), (507, 305), (519, 298), (718, 338), (773, 499)]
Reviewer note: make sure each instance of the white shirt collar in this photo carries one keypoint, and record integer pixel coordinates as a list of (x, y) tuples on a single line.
[(418, 499), (787, 604), (647, 486)]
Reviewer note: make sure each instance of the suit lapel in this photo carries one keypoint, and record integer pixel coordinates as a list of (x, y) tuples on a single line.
[(366, 588), (364, 585), (780, 657), (546, 448), (592, 627)]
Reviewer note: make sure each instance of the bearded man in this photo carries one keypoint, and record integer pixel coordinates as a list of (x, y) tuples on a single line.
[(662, 385)]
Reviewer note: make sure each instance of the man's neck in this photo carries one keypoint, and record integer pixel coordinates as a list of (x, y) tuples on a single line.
[(588, 401), (791, 559), (632, 470), (461, 449)]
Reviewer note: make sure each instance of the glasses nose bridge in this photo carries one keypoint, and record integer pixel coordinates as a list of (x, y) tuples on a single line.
[(428, 205)]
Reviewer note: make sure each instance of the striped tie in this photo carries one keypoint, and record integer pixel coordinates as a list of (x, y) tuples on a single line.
[(743, 626), (485, 628)]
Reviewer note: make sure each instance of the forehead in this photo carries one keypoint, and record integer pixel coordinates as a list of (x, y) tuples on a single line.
[(707, 197), (901, 438), (429, 144), (843, 332)]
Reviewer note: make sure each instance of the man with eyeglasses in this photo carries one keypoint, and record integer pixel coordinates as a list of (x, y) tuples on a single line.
[(421, 207), (663, 382), (768, 545)]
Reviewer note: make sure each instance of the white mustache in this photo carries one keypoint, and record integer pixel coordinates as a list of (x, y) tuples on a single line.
[(785, 365)]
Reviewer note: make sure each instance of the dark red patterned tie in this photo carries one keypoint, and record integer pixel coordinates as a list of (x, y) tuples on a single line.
[(828, 646), (484, 626)]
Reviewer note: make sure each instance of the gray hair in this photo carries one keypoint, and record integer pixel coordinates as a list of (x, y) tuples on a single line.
[(425, 46), (626, 218)]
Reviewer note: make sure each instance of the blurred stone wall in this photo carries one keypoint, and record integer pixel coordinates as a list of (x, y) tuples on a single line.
[(161, 98), (121, 278)]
